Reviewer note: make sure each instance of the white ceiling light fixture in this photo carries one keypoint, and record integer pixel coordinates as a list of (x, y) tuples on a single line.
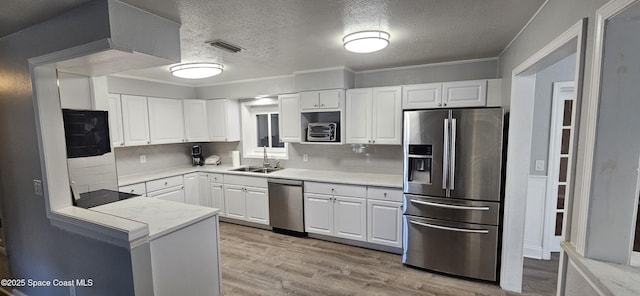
[(196, 70), (366, 41)]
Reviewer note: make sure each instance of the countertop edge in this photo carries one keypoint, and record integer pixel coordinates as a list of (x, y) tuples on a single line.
[(225, 169), (606, 277), (107, 228)]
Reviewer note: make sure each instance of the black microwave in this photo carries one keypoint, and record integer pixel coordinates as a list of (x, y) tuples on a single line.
[(86, 132)]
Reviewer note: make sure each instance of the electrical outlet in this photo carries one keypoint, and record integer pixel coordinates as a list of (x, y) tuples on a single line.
[(305, 157), (539, 165), (37, 186), (143, 158)]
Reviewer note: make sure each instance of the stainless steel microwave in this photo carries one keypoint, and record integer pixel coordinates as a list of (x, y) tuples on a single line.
[(322, 132)]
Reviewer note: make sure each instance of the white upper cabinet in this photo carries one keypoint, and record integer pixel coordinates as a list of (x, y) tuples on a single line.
[(324, 99), (464, 93), (289, 116), (471, 93), (223, 116), (115, 120), (135, 120), (387, 116), (422, 96), (166, 121), (196, 128), (374, 116), (358, 115)]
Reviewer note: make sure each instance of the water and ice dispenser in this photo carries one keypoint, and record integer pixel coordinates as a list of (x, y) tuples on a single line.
[(420, 164)]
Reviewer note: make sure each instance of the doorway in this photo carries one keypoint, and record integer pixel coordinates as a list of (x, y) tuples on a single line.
[(569, 44)]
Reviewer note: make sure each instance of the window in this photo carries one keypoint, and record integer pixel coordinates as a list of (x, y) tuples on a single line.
[(267, 130), (260, 128)]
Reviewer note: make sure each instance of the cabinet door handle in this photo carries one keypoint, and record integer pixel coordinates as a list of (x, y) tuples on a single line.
[(385, 194), (166, 183), (148, 142), (445, 104), (315, 105)]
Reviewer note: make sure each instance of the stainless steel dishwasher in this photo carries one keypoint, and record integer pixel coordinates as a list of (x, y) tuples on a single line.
[(286, 206)]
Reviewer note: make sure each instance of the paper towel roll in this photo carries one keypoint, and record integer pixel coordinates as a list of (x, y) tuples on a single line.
[(235, 158)]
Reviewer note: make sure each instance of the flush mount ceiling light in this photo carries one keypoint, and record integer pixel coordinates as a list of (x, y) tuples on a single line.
[(366, 41), (196, 70)]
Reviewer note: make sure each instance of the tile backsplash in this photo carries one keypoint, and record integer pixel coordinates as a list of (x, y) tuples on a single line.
[(381, 159)]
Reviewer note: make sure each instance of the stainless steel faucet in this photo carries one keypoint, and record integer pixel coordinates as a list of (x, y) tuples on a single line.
[(265, 161)]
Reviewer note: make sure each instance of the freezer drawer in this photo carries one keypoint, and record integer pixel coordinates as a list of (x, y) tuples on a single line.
[(479, 212), (463, 249)]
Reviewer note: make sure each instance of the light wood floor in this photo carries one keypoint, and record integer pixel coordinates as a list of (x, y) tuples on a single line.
[(260, 262)]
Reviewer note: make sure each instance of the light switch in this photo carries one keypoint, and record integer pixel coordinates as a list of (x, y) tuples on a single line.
[(305, 157), (143, 158), (37, 186), (539, 165)]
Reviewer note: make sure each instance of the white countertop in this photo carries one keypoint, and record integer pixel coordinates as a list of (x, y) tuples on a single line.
[(382, 180), (161, 216)]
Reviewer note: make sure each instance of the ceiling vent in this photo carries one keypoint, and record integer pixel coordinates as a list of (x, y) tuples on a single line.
[(224, 45)]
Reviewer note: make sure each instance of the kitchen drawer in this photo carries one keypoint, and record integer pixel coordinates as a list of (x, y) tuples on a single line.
[(164, 183), (215, 178), (384, 193), (335, 189), (246, 181), (138, 189)]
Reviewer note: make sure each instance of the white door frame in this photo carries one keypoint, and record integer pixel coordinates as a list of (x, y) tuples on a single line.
[(551, 242), (519, 146)]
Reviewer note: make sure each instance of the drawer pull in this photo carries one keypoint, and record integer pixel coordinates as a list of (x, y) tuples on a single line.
[(481, 231), (439, 205)]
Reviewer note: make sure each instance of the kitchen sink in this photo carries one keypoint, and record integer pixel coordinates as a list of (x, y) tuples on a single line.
[(255, 169)]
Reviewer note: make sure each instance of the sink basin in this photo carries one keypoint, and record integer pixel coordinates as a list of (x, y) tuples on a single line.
[(255, 169)]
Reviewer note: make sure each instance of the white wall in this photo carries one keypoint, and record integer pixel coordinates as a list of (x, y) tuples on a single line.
[(248, 88), (35, 248), (617, 157), (452, 71), (555, 18), (87, 173), (563, 70)]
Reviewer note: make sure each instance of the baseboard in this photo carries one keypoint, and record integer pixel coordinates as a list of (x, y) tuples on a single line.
[(361, 244), (533, 252), (244, 223)]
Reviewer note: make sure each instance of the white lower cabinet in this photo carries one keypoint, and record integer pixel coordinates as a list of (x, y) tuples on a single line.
[(192, 189), (384, 216), (215, 193), (234, 202), (318, 213), (328, 213), (384, 223), (171, 188), (174, 194), (350, 217), (246, 198)]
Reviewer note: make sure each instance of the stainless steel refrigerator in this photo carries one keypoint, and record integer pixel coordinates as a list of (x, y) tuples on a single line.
[(452, 190)]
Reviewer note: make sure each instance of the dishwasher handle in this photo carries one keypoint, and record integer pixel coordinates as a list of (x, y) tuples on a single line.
[(285, 182)]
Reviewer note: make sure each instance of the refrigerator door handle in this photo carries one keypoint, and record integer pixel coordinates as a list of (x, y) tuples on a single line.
[(445, 155), (439, 205), (481, 231), (453, 154)]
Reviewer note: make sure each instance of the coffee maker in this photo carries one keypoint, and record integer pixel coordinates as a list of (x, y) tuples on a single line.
[(196, 155)]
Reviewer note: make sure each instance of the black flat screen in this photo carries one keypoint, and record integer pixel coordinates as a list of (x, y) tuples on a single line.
[(86, 132)]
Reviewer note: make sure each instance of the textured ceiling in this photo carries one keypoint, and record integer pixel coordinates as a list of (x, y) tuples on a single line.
[(283, 36)]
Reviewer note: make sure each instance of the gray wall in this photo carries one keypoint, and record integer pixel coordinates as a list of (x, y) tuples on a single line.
[(563, 70), (35, 248), (121, 85), (463, 70), (617, 157), (248, 88)]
